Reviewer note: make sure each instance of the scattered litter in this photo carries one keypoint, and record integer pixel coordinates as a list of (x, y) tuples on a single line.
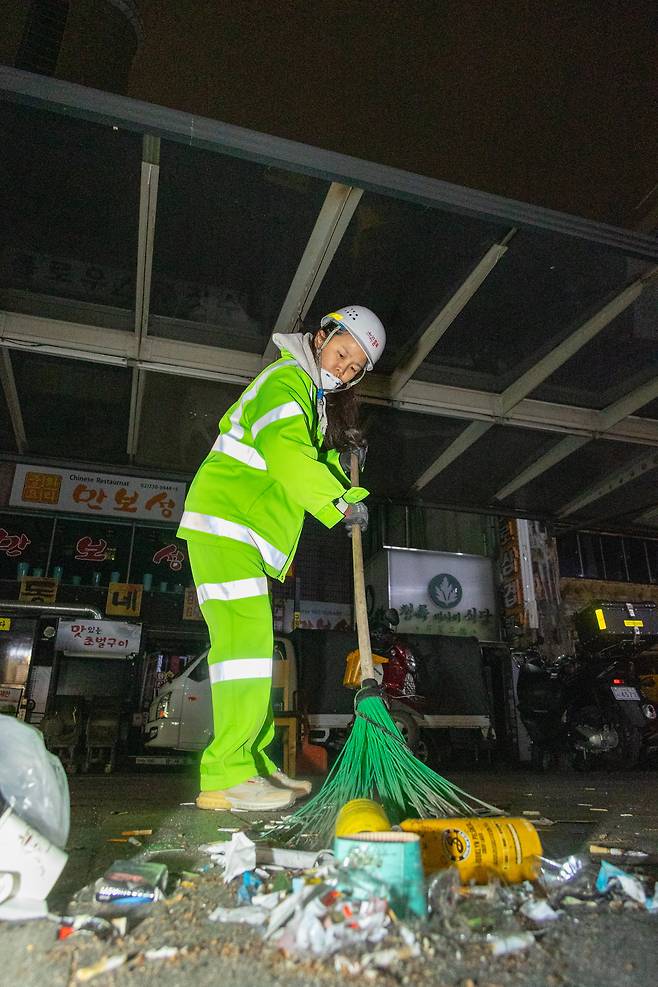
[(228, 829), (615, 851), (593, 809), (104, 965), (240, 856), (137, 832), (610, 877), (538, 912), (162, 953), (246, 915), (181, 803), (504, 945), (626, 815), (129, 882)]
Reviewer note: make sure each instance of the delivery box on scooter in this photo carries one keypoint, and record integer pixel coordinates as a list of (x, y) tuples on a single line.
[(604, 623)]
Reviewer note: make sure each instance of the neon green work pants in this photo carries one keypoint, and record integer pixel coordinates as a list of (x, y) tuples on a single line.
[(234, 599)]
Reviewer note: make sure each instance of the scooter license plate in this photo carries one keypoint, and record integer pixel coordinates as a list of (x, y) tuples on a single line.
[(625, 692)]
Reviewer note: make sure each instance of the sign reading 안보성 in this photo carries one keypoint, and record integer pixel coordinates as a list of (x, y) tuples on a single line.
[(97, 494), (107, 638)]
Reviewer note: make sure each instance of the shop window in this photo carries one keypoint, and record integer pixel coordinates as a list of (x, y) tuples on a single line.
[(569, 555), (614, 561), (636, 560), (590, 550), (88, 553), (24, 544), (160, 560)]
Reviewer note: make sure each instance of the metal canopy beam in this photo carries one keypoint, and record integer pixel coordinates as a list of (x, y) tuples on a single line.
[(442, 322), (8, 382), (541, 370), (553, 360), (148, 201), (195, 131), (97, 344), (330, 226), (645, 463), (470, 435), (605, 419)]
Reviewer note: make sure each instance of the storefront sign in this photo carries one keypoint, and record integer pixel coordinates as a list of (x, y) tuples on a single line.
[(191, 610), (35, 589), (514, 611), (5, 623), (435, 592), (314, 615), (107, 638), (124, 599), (13, 545), (10, 699), (97, 494)]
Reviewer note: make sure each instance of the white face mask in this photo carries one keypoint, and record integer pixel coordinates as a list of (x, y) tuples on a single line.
[(329, 381)]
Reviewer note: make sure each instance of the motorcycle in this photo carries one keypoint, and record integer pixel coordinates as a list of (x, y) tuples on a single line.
[(396, 671), (588, 706)]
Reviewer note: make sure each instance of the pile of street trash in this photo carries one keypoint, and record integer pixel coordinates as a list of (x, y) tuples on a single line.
[(379, 897)]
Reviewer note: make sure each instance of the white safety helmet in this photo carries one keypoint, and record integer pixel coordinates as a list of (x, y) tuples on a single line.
[(363, 325)]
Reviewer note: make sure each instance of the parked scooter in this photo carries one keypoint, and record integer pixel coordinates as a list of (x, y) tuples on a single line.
[(588, 706)]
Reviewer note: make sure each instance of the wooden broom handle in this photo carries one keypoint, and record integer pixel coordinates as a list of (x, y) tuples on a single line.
[(360, 606)]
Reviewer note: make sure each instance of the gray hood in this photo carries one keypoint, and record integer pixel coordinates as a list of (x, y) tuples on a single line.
[(301, 348)]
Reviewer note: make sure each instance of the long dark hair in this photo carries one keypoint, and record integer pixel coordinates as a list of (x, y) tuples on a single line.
[(343, 431)]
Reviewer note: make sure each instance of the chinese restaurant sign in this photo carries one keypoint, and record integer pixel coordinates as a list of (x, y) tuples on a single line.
[(109, 638), (97, 494)]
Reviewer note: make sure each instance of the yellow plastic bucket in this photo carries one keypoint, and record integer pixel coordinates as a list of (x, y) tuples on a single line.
[(361, 816), (478, 847)]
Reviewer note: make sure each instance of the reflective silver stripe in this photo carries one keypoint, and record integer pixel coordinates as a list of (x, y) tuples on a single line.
[(234, 589), (237, 430), (211, 525), (238, 450), (288, 410), (240, 668), (342, 505)]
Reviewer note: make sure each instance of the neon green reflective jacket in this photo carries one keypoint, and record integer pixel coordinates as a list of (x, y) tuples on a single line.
[(266, 469)]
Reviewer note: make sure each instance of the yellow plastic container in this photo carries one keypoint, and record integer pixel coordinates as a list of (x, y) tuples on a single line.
[(352, 676), (361, 816), (479, 847)]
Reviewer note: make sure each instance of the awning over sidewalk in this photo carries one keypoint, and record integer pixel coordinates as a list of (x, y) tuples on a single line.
[(147, 256)]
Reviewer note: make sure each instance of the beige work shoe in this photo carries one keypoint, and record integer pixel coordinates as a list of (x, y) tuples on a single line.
[(284, 782), (256, 795)]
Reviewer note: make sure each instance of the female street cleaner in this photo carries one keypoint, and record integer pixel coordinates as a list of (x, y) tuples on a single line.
[(278, 455)]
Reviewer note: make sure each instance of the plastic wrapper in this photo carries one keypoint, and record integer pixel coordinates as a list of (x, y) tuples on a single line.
[(131, 883), (574, 875), (33, 781)]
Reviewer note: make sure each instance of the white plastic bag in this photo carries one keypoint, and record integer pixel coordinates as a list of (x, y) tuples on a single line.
[(33, 781)]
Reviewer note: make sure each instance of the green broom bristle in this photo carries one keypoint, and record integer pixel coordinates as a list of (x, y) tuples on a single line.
[(376, 763)]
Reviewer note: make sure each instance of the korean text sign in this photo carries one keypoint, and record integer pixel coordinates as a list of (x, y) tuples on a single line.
[(108, 638), (97, 494)]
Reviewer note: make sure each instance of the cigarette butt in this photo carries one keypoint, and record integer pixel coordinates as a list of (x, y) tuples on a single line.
[(116, 839), (137, 832)]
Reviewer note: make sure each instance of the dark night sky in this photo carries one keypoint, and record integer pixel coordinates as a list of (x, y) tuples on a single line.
[(551, 103)]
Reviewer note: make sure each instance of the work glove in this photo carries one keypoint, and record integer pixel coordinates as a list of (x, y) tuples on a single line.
[(356, 514), (360, 447)]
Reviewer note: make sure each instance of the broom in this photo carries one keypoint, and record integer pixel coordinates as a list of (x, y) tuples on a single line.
[(375, 761)]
